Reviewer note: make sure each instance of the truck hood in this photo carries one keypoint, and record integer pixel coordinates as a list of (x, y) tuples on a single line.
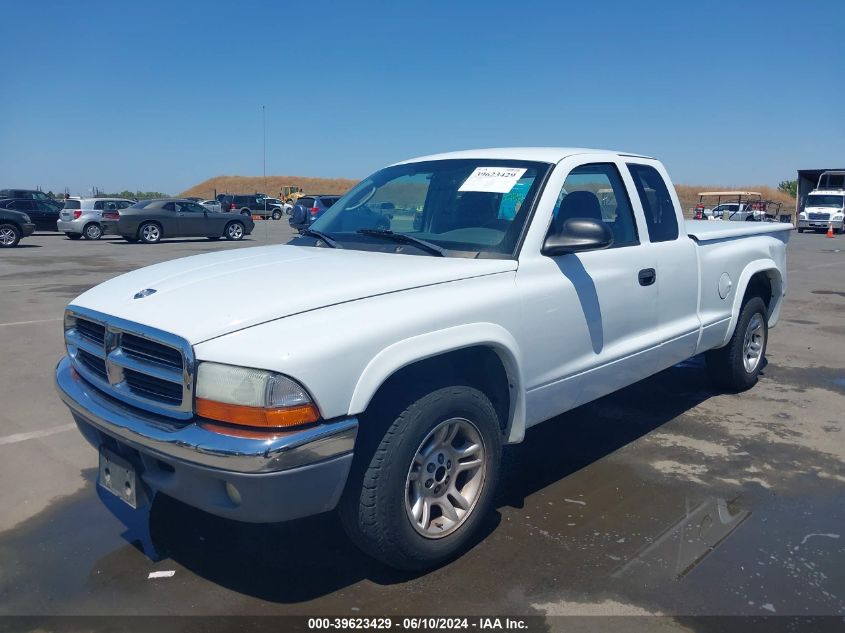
[(205, 296)]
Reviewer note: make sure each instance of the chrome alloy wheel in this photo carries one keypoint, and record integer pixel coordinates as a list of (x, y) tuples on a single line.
[(752, 346), (7, 236), (235, 231), (150, 233), (446, 478)]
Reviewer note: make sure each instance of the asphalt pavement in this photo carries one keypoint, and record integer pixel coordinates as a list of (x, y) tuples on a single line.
[(665, 498)]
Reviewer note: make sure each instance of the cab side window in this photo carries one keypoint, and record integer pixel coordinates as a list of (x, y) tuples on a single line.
[(657, 204), (596, 191)]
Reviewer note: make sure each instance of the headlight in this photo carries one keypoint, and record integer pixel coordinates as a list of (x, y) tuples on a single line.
[(837, 217), (802, 216), (252, 397)]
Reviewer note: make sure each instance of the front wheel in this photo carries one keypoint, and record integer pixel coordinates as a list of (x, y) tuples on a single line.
[(234, 231), (10, 235), (417, 493), (736, 366)]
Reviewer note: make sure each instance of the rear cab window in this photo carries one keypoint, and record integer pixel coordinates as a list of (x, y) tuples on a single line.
[(660, 216), (73, 204)]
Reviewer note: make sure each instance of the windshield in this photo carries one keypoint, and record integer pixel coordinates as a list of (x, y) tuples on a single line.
[(467, 206), (817, 200)]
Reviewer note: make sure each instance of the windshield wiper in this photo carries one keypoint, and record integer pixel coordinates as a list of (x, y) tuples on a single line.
[(402, 238), (328, 240)]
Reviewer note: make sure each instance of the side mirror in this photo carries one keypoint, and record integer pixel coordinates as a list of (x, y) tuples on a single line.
[(578, 235)]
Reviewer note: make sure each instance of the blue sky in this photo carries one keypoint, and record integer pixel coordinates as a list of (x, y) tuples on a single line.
[(162, 95)]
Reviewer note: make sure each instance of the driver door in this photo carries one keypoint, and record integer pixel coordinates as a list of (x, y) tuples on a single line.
[(600, 306), (191, 219)]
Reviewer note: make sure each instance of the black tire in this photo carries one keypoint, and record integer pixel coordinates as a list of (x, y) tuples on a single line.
[(800, 230), (234, 231), (277, 215), (92, 231), (373, 507), (726, 366), (150, 232), (246, 212), (10, 235), (74, 236)]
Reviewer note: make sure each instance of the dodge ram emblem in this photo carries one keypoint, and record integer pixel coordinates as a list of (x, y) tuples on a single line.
[(146, 292)]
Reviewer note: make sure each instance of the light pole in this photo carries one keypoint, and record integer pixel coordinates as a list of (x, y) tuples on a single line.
[(264, 152)]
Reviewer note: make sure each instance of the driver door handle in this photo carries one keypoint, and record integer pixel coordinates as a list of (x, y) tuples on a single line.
[(647, 276)]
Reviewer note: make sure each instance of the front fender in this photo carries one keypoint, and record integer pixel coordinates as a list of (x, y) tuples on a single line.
[(408, 351)]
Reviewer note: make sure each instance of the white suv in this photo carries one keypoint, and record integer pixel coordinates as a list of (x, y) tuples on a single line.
[(82, 217)]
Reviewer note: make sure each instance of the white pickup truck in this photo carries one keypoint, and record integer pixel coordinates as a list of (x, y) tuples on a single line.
[(383, 376)]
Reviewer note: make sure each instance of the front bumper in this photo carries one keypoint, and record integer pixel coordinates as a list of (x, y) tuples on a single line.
[(277, 478), (27, 229), (820, 224)]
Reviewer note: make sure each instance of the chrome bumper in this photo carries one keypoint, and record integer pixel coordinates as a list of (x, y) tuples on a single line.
[(820, 224), (194, 444)]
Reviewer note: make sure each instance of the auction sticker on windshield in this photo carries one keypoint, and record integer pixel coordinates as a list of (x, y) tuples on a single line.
[(492, 179)]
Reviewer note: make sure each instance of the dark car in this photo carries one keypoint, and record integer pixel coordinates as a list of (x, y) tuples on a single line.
[(44, 213), (13, 226), (29, 194), (309, 208), (252, 204), (150, 221)]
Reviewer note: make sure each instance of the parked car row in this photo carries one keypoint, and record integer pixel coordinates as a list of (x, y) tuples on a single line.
[(23, 211)]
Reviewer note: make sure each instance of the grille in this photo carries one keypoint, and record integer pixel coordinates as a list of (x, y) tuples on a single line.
[(149, 351), (152, 387), (144, 367), (95, 364), (819, 216), (94, 332)]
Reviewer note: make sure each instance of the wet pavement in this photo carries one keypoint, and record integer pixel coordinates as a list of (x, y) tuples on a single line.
[(664, 498)]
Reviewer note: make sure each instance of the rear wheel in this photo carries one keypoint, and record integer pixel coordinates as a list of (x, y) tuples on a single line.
[(419, 490), (10, 235), (277, 215), (92, 231), (246, 212), (234, 231), (74, 236), (737, 365), (149, 233)]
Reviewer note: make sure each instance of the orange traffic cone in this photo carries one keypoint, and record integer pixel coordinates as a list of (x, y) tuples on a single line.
[(830, 229)]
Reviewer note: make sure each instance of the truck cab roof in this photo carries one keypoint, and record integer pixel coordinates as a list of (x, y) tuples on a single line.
[(539, 154)]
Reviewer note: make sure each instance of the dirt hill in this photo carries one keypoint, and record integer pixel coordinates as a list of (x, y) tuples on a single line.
[(270, 186), (688, 194)]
